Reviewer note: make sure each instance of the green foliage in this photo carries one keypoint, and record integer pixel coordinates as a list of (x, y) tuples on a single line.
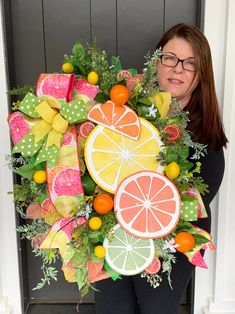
[(28, 231), (150, 73), (49, 272), (21, 91)]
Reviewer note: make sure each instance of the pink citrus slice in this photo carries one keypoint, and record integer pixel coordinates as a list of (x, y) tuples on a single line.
[(120, 118), (85, 128), (154, 267), (67, 182), (85, 88), (18, 126), (55, 85), (147, 205)]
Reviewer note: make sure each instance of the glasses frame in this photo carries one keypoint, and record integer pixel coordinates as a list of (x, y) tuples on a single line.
[(178, 60)]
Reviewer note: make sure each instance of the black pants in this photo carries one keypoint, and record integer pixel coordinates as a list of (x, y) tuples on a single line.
[(132, 294)]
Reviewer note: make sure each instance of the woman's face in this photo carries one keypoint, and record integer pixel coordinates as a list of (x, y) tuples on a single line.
[(176, 80)]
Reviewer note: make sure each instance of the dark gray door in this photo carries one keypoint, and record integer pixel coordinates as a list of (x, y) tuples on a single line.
[(39, 32)]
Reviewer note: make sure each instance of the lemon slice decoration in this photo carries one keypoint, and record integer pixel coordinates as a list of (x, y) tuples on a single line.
[(111, 157), (127, 254)]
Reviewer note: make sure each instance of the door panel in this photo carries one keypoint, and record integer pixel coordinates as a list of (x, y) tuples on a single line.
[(43, 30), (28, 40), (64, 22), (138, 27)]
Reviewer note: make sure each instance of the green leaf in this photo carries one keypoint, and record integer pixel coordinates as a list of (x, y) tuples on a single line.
[(101, 98), (81, 276), (199, 239), (183, 151), (186, 165), (117, 66), (26, 171), (145, 101), (78, 51), (133, 72)]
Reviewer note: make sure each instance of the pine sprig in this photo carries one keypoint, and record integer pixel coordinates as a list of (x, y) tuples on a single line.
[(21, 90)]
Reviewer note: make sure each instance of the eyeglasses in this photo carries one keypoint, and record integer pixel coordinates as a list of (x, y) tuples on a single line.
[(172, 61)]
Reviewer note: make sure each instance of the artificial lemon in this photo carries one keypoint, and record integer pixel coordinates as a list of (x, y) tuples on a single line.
[(67, 67), (100, 251), (95, 223), (40, 176), (172, 170), (92, 77)]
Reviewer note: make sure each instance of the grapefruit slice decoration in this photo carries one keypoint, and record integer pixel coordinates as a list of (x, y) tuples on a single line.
[(126, 254), (147, 205), (111, 157), (120, 118)]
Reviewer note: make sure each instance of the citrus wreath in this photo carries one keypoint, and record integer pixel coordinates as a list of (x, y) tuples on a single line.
[(108, 171)]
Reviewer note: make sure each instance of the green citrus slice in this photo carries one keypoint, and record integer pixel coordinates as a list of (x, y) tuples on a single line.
[(111, 157), (127, 254)]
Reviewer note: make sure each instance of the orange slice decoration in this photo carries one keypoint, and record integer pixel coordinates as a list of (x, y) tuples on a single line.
[(120, 118), (147, 205)]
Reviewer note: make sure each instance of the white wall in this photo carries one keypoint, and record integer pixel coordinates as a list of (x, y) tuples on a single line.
[(217, 283), (9, 273)]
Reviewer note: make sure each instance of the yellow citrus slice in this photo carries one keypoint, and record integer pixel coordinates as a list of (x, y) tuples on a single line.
[(111, 157), (147, 205), (126, 254)]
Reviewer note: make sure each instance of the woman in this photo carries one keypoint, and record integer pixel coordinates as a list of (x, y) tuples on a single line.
[(184, 70)]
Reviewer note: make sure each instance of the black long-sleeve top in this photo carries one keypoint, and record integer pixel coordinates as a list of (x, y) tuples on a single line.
[(212, 171)]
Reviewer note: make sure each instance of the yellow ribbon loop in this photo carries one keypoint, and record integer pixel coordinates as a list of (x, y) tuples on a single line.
[(54, 137), (52, 123), (41, 129), (46, 112)]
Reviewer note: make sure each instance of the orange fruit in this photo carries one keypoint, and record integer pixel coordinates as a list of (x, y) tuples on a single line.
[(40, 176), (103, 203), (147, 205), (119, 94), (122, 119), (185, 241)]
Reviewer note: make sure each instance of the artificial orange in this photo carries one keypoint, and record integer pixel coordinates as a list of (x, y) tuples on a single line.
[(103, 203), (185, 241), (119, 94)]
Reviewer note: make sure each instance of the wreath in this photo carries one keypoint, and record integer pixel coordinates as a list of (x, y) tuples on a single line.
[(107, 180)]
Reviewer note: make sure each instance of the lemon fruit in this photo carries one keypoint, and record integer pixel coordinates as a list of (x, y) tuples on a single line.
[(67, 67), (40, 176), (100, 251), (92, 77), (111, 157), (95, 223), (172, 170)]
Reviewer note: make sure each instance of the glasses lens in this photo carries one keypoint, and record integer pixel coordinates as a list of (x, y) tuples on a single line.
[(169, 61), (189, 65), (172, 61)]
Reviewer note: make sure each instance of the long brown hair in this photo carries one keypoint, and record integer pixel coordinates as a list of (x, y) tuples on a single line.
[(205, 121)]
